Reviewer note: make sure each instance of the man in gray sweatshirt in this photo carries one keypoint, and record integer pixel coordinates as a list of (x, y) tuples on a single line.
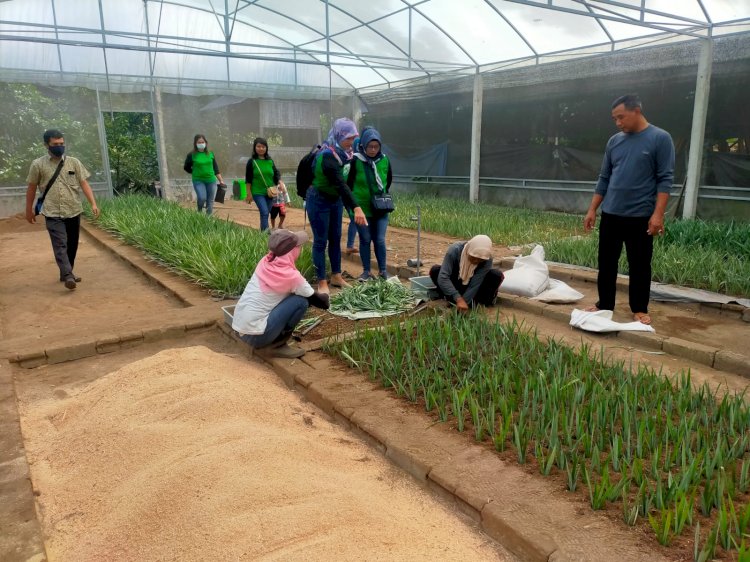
[(633, 189)]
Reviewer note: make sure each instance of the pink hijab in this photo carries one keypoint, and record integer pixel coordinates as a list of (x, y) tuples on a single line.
[(278, 274)]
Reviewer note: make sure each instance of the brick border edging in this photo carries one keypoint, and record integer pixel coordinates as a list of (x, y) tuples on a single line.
[(81, 349), (490, 518)]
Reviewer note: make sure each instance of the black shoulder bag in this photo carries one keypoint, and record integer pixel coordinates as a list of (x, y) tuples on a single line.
[(40, 200), (380, 200)]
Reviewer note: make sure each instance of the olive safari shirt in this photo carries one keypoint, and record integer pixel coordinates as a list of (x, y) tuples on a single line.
[(64, 197)]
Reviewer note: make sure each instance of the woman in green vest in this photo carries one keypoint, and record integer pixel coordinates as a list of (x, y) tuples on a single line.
[(326, 199), (202, 166), (370, 173), (260, 174)]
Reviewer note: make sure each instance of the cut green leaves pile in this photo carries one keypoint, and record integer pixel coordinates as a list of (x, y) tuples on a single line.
[(217, 254), (667, 452), (374, 296)]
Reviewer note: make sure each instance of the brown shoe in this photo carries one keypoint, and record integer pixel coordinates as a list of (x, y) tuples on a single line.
[(70, 282)]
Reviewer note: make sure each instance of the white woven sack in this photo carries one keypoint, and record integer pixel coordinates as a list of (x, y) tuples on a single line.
[(529, 276)]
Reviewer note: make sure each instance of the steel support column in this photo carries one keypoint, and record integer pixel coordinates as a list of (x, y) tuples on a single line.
[(697, 132), (161, 146), (476, 138), (104, 145)]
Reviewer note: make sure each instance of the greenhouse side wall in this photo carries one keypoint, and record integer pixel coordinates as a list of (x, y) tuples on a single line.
[(714, 203)]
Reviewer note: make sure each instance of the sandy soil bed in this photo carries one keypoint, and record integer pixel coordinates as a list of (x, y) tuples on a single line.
[(193, 455)]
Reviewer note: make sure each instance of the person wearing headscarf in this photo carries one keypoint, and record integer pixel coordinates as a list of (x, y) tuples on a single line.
[(371, 172), (260, 174), (276, 298), (467, 277), (326, 199)]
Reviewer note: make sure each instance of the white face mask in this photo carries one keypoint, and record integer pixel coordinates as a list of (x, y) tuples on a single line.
[(201, 146)]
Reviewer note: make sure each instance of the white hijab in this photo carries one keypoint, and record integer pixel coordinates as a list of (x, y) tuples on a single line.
[(478, 247)]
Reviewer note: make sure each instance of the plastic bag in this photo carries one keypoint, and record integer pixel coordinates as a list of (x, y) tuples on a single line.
[(529, 276)]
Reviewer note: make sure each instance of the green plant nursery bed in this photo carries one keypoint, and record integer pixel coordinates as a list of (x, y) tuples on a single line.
[(663, 453)]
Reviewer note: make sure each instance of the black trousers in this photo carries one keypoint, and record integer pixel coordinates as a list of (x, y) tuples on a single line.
[(614, 231), (63, 234), (487, 290)]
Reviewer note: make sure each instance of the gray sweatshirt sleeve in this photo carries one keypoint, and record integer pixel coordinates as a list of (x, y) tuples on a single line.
[(450, 262)]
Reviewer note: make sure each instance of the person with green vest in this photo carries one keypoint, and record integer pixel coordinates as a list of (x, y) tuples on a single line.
[(326, 199), (260, 174), (202, 166), (370, 173)]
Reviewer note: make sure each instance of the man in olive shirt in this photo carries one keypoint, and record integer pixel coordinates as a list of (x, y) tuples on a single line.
[(62, 206)]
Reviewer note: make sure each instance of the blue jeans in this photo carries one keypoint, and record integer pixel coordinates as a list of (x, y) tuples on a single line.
[(373, 232), (325, 221), (264, 208), (205, 191), (283, 318), (351, 234)]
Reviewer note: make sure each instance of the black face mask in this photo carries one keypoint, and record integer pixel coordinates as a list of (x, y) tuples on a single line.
[(57, 151)]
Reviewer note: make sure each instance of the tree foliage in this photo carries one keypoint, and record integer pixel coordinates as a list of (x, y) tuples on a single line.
[(132, 151), (28, 110)]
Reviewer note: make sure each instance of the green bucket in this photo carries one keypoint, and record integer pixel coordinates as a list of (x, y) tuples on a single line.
[(239, 190)]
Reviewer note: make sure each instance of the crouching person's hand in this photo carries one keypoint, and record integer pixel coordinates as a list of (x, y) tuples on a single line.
[(319, 300)]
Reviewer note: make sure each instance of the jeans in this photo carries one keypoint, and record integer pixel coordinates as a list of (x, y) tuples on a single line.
[(615, 230), (325, 221), (205, 191), (373, 232), (63, 233), (281, 322), (351, 234), (264, 208)]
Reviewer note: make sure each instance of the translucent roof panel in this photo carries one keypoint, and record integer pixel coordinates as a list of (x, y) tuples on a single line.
[(299, 43)]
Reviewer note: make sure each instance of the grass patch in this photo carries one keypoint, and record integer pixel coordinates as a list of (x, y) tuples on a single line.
[(217, 254)]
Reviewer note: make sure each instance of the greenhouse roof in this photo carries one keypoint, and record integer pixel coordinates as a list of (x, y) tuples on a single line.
[(200, 45)]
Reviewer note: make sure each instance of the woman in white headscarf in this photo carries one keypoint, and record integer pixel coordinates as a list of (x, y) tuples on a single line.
[(467, 277)]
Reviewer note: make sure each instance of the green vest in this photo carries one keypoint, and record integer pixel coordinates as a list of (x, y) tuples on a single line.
[(259, 186), (203, 166), (320, 181), (361, 189)]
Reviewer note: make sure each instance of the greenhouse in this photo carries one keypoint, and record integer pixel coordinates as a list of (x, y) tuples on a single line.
[(442, 351)]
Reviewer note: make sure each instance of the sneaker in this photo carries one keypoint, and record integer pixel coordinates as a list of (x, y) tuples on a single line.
[(364, 277), (70, 282), (383, 275), (286, 352)]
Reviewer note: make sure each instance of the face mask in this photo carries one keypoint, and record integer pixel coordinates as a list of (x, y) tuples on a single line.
[(201, 146), (57, 150)]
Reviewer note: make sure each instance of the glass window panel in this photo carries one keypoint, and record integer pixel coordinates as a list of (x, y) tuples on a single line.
[(29, 56), (81, 13), (429, 43), (368, 11), (550, 30), (190, 66), (396, 28), (124, 16), (132, 63), (367, 42), (37, 11), (82, 59)]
